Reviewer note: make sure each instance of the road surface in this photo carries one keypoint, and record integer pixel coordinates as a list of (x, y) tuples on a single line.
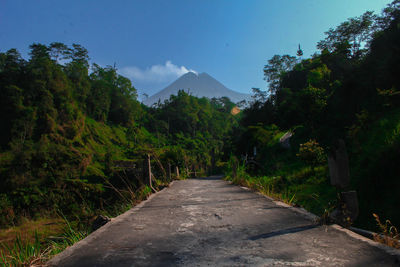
[(209, 222)]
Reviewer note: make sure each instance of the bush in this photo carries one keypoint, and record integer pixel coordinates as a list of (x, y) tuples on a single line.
[(312, 153)]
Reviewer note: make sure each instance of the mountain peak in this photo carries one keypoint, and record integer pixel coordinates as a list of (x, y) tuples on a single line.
[(200, 85), (190, 74)]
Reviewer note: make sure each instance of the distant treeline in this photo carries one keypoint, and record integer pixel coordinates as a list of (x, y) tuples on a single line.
[(350, 90), (64, 122)]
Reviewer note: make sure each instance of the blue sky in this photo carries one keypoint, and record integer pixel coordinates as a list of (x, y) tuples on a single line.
[(154, 41)]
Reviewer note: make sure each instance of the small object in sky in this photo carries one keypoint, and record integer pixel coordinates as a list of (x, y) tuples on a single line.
[(299, 52)]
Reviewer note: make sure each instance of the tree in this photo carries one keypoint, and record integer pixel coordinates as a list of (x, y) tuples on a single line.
[(80, 55), (39, 51), (12, 68), (389, 14), (355, 33), (59, 51), (277, 66)]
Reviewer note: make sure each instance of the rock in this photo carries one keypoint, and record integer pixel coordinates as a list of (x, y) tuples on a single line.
[(285, 140), (99, 222)]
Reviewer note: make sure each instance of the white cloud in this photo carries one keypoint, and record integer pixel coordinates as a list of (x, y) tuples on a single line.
[(156, 73)]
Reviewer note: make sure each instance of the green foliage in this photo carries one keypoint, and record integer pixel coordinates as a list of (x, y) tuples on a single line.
[(64, 127), (21, 253), (69, 237), (37, 252), (192, 132), (276, 68), (374, 170), (294, 184), (311, 153), (349, 91), (354, 32)]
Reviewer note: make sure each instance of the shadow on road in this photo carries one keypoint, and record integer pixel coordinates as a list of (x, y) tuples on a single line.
[(284, 231), (209, 178), (206, 203)]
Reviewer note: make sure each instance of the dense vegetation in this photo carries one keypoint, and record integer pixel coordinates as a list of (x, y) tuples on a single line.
[(67, 126), (349, 90)]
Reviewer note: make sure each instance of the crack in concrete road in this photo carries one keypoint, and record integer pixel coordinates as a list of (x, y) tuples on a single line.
[(209, 222)]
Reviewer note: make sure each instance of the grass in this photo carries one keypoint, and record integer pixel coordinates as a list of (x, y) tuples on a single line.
[(301, 187), (316, 198), (43, 228), (390, 235), (291, 181), (266, 185), (35, 241), (22, 253), (68, 238), (34, 248)]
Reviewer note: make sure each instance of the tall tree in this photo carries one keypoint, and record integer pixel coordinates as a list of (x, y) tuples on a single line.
[(276, 67), (355, 33)]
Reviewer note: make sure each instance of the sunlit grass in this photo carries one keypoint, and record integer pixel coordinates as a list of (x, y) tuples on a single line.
[(43, 227), (23, 251), (294, 183), (390, 235)]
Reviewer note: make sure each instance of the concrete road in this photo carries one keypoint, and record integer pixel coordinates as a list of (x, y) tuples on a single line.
[(209, 222)]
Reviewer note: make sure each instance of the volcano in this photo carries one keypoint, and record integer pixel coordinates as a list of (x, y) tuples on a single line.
[(199, 85)]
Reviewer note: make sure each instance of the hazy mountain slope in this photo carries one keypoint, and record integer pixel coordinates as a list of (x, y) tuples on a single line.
[(198, 85)]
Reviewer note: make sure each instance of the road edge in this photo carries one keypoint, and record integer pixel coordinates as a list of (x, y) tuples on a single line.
[(391, 251), (68, 251), (92, 236)]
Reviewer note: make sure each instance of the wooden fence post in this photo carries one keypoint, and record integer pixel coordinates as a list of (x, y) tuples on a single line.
[(149, 169), (169, 170)]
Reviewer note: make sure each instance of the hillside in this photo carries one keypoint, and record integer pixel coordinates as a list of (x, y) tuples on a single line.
[(64, 129)]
